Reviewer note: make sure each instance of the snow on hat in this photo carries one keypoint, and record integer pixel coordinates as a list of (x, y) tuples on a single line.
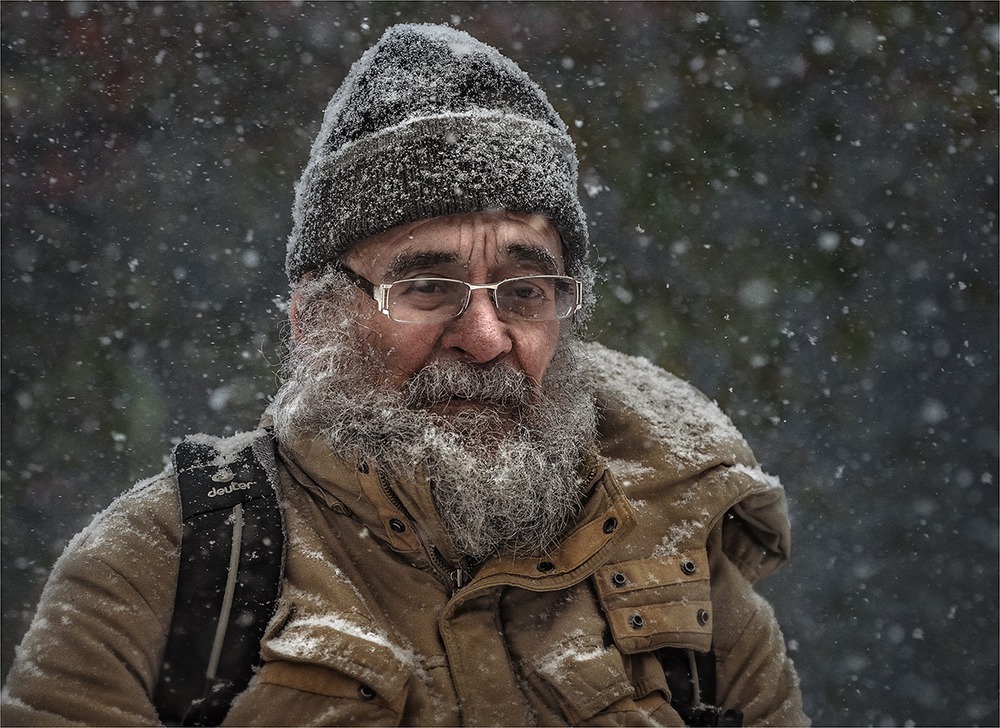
[(430, 121)]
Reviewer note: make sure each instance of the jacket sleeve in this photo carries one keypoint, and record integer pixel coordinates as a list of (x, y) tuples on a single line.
[(754, 672), (92, 653)]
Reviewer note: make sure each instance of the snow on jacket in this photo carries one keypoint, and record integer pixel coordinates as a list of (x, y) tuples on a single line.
[(678, 524)]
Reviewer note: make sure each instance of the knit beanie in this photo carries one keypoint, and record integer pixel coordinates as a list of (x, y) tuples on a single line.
[(430, 121)]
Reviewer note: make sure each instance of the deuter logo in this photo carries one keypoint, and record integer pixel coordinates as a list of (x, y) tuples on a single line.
[(228, 489)]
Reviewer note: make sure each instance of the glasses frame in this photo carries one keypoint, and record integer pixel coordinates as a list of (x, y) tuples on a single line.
[(379, 292)]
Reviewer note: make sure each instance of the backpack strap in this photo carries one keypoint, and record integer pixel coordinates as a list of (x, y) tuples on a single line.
[(691, 678), (232, 558)]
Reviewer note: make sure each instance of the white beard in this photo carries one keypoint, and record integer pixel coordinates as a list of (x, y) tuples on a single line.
[(505, 476)]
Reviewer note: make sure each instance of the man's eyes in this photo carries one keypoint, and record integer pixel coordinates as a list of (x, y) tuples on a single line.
[(527, 290), (425, 286)]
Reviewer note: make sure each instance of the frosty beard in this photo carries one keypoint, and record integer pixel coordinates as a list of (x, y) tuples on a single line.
[(505, 476)]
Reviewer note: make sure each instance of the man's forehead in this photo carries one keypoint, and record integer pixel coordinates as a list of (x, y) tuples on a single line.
[(498, 236), (514, 251)]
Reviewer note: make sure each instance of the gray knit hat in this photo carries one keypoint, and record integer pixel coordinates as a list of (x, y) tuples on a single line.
[(430, 122)]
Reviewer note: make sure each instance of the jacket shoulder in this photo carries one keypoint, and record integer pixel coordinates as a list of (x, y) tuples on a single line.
[(651, 414), (149, 507), (92, 650), (680, 457)]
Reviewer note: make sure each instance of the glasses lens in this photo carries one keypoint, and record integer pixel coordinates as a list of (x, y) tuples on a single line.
[(538, 298), (426, 300)]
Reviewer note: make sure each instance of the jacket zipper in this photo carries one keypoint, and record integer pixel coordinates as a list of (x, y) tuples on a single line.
[(391, 496), (456, 578)]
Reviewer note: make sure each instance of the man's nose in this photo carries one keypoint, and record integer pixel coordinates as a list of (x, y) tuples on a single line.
[(478, 335)]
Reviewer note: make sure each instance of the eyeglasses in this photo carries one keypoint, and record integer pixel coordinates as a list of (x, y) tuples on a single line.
[(436, 300)]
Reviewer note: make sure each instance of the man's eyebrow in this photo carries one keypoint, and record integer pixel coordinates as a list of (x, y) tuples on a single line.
[(530, 253), (407, 262), (404, 263)]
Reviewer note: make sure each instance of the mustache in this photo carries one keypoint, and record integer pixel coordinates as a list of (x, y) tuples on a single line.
[(443, 382)]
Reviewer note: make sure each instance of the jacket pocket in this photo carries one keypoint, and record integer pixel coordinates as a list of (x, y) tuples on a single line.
[(349, 670), (654, 603), (587, 676)]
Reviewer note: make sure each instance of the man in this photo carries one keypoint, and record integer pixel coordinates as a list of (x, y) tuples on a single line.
[(487, 521)]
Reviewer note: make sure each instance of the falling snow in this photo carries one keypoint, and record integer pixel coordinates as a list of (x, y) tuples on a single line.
[(793, 206)]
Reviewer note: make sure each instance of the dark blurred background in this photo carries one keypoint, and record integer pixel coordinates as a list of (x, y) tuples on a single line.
[(795, 207)]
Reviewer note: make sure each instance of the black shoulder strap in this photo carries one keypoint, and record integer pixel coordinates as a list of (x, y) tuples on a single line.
[(232, 557), (691, 679)]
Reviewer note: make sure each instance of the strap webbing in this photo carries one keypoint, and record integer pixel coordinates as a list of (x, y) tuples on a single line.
[(232, 552), (691, 678)]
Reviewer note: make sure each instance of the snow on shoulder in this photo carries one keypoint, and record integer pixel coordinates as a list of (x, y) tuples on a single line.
[(653, 422), (661, 414)]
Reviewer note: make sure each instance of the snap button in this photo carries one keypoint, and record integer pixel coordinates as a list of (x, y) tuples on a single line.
[(618, 579), (702, 617), (610, 525), (688, 566), (546, 566), (636, 621), (366, 693), (397, 525)]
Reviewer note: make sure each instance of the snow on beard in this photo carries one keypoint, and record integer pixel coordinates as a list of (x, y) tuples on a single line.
[(505, 475)]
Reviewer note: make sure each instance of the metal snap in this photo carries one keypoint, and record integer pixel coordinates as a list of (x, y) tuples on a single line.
[(636, 621), (366, 693), (688, 566), (397, 525), (702, 617), (618, 579), (610, 525), (546, 566)]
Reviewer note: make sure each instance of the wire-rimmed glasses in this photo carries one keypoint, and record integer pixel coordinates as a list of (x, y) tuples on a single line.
[(436, 300)]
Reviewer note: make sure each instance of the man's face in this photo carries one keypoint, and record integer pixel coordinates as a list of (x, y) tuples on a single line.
[(500, 413), (476, 248)]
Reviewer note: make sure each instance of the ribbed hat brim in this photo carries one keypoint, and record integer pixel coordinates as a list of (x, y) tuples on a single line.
[(430, 166)]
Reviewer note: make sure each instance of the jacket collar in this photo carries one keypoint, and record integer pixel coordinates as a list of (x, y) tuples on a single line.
[(402, 514), (399, 513), (606, 518)]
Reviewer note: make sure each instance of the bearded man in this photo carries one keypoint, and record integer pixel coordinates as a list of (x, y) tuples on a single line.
[(486, 520)]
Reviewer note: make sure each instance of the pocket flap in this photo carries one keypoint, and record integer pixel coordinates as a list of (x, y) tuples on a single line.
[(661, 602), (587, 675), (342, 644)]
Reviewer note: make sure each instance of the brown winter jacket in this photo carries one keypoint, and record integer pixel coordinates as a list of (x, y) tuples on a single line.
[(679, 523)]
